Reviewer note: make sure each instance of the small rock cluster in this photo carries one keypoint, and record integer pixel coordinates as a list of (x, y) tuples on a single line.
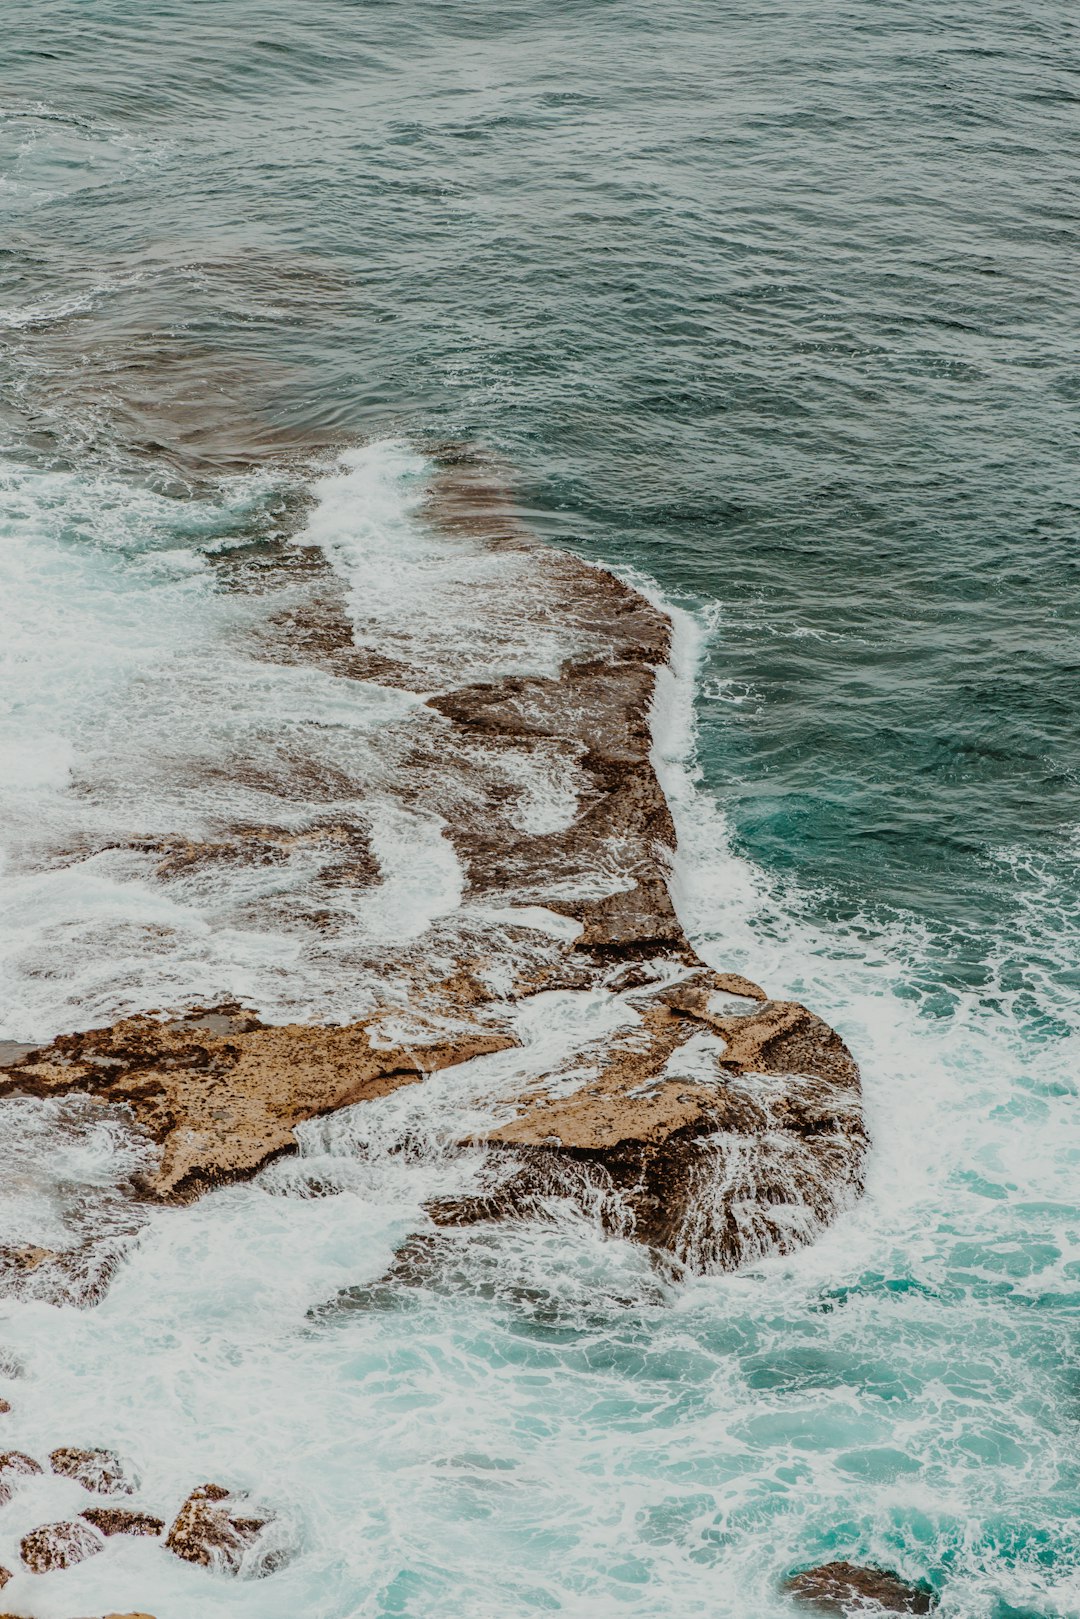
[(212, 1528)]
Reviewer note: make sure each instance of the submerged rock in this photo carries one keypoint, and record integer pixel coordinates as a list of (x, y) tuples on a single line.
[(99, 1470), (59, 1545), (123, 1521), (212, 1528), (847, 1589)]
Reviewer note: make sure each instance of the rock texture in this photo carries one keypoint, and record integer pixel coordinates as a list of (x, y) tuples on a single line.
[(222, 1105), (712, 1131), (123, 1521), (212, 1528), (59, 1545), (99, 1470), (14, 1464), (847, 1589)]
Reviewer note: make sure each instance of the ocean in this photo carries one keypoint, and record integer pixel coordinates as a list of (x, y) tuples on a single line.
[(773, 312)]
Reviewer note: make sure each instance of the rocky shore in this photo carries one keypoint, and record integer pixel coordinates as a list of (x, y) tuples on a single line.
[(705, 1120), (718, 1125)]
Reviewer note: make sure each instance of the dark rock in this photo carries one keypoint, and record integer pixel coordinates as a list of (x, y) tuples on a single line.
[(5, 1576), (845, 1589), (59, 1545), (99, 1470), (211, 1528), (122, 1521)]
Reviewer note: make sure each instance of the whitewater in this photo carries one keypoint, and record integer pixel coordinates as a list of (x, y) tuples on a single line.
[(773, 316), (547, 1424)]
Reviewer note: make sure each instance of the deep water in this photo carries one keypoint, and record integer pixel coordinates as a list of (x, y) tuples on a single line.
[(778, 309)]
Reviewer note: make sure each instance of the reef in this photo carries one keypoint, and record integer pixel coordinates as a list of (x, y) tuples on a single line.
[(715, 1125)]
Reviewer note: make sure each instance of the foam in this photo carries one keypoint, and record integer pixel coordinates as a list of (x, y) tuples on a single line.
[(541, 1423)]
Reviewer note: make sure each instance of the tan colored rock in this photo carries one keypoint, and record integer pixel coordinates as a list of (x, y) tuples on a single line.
[(222, 1105), (212, 1529), (784, 1113), (846, 1589), (59, 1545), (123, 1521), (99, 1470), (714, 1170)]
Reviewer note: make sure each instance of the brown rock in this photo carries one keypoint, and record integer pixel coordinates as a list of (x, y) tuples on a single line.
[(212, 1529), (5, 1576), (16, 1461), (5, 1407), (784, 1116), (99, 1470), (59, 1545), (224, 1104), (713, 1170), (122, 1521), (845, 1588)]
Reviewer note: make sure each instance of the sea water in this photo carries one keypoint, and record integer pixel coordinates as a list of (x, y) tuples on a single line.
[(774, 313)]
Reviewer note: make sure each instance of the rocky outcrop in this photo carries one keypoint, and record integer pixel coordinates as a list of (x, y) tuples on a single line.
[(212, 1528), (846, 1589), (59, 1545), (123, 1521), (222, 1104), (751, 1156), (714, 1129), (99, 1470)]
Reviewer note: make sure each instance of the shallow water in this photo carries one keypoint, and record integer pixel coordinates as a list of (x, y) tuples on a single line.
[(777, 311)]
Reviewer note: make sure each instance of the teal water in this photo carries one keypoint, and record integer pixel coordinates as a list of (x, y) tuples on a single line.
[(778, 309)]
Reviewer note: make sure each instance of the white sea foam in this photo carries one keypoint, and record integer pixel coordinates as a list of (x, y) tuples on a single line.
[(541, 1424)]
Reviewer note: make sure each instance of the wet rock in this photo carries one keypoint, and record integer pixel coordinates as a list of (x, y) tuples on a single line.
[(17, 1461), (123, 1521), (847, 1589), (222, 1105), (212, 1528), (99, 1470), (543, 784), (713, 1169), (59, 1545), (13, 1465)]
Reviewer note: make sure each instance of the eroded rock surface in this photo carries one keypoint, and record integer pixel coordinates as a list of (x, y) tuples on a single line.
[(213, 1529), (59, 1545), (846, 1589), (123, 1521), (99, 1470), (716, 1126)]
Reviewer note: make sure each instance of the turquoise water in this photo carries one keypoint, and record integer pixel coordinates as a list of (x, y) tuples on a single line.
[(779, 310)]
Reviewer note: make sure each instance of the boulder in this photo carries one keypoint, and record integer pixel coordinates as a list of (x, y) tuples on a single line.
[(59, 1545), (99, 1470), (211, 1528), (845, 1588), (122, 1521), (13, 1464)]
